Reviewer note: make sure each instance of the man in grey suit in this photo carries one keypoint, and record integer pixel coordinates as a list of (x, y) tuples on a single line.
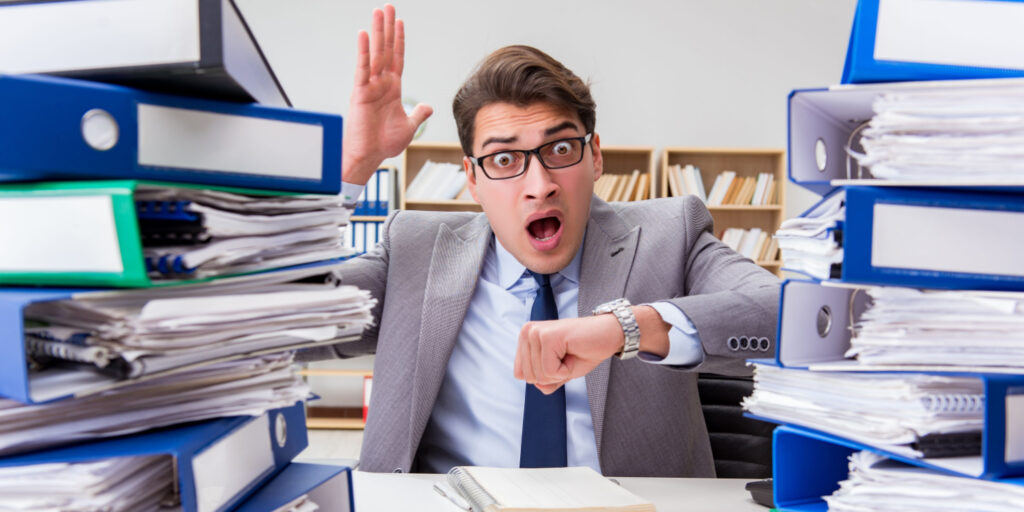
[(471, 366)]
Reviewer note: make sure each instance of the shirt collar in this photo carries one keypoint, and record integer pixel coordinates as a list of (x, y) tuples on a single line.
[(510, 270)]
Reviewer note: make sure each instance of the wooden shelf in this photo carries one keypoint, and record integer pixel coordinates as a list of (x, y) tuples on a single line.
[(336, 423), (368, 218), (747, 207), (746, 162)]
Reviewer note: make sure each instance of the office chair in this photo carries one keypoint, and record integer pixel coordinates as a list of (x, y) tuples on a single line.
[(741, 447)]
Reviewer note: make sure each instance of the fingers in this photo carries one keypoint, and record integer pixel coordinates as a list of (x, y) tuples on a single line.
[(389, 34), (419, 115), (539, 356), (398, 56), (377, 42), (362, 58)]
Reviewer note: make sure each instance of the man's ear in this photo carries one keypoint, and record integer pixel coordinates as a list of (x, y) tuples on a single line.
[(595, 145), (470, 169)]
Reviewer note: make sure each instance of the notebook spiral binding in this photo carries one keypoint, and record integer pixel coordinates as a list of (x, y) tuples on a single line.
[(954, 403), (37, 345), (467, 486)]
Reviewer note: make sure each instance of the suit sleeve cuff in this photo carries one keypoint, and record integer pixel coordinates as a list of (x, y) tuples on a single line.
[(685, 348), (350, 193)]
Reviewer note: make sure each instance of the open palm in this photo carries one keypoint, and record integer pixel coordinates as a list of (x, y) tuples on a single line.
[(377, 126)]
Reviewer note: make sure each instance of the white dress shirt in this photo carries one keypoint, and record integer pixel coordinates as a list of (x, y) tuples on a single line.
[(478, 417)]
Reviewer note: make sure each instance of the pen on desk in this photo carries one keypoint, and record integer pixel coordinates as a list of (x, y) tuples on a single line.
[(453, 497)]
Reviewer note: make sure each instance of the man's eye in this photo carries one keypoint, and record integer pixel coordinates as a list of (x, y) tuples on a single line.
[(562, 148), (504, 159)]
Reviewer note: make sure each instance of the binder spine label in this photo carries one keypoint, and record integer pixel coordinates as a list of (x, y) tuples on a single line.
[(232, 464), (919, 238), (187, 139), (1014, 444), (951, 32), (59, 234)]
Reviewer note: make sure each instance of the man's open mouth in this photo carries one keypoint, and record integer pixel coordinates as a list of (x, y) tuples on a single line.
[(544, 229)]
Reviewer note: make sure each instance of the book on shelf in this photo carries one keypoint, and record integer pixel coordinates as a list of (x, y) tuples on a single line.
[(634, 186), (572, 489), (437, 181), (753, 243)]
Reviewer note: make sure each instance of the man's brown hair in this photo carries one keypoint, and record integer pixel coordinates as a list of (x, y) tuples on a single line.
[(520, 75)]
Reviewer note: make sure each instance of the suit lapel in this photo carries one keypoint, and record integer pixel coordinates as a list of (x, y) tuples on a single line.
[(608, 252), (451, 280)]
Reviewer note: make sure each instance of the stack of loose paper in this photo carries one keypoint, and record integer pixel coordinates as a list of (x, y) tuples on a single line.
[(211, 233), (132, 333), (963, 135), (808, 243), (883, 485), (891, 411), (113, 484), (912, 328), (246, 387)]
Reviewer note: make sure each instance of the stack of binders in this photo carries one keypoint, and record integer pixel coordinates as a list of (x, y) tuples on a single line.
[(168, 246), (899, 375)]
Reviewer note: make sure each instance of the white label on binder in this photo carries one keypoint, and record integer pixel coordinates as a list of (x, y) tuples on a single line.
[(62, 36), (951, 32), (232, 463), (948, 239), (190, 139), (1014, 423), (59, 234)]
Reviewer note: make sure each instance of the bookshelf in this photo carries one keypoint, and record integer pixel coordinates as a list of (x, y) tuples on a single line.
[(346, 418), (746, 162), (619, 160)]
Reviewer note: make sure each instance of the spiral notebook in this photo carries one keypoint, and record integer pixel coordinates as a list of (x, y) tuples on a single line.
[(576, 489)]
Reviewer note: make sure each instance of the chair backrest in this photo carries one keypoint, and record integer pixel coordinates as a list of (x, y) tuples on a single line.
[(742, 447)]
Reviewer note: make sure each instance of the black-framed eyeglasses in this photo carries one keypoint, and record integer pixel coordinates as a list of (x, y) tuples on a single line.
[(557, 154)]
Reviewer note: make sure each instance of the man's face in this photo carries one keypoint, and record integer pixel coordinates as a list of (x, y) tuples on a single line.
[(541, 215)]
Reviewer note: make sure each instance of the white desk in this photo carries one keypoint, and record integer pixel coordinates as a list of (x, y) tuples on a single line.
[(386, 492)]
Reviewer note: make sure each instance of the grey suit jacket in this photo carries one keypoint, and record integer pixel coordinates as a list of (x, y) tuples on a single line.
[(647, 418)]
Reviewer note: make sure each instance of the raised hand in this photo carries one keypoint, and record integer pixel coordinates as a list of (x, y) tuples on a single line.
[(377, 126)]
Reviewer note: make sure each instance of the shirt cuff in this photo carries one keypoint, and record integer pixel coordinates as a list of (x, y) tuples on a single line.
[(350, 193), (684, 347)]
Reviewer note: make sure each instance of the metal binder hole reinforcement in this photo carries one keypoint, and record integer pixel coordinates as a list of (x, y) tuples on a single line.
[(820, 154), (281, 430), (99, 129), (824, 321)]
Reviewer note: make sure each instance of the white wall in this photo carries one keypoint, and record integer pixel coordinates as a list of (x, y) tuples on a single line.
[(664, 73)]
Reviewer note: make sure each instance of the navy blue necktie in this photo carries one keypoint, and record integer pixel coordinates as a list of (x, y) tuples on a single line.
[(543, 444)]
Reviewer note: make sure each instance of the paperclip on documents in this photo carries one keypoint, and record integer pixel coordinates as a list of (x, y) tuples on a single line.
[(80, 343), (131, 233)]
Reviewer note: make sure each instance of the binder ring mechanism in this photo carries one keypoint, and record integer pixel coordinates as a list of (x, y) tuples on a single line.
[(99, 129), (855, 151)]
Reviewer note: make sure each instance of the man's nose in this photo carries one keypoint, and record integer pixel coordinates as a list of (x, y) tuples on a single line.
[(538, 183)]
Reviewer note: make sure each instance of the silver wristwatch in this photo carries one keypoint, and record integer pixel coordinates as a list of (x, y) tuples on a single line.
[(624, 313)]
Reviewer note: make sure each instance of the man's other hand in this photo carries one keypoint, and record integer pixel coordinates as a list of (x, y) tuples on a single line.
[(377, 126)]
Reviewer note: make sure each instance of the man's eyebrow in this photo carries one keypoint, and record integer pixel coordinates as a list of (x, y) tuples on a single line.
[(559, 127), (499, 140)]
